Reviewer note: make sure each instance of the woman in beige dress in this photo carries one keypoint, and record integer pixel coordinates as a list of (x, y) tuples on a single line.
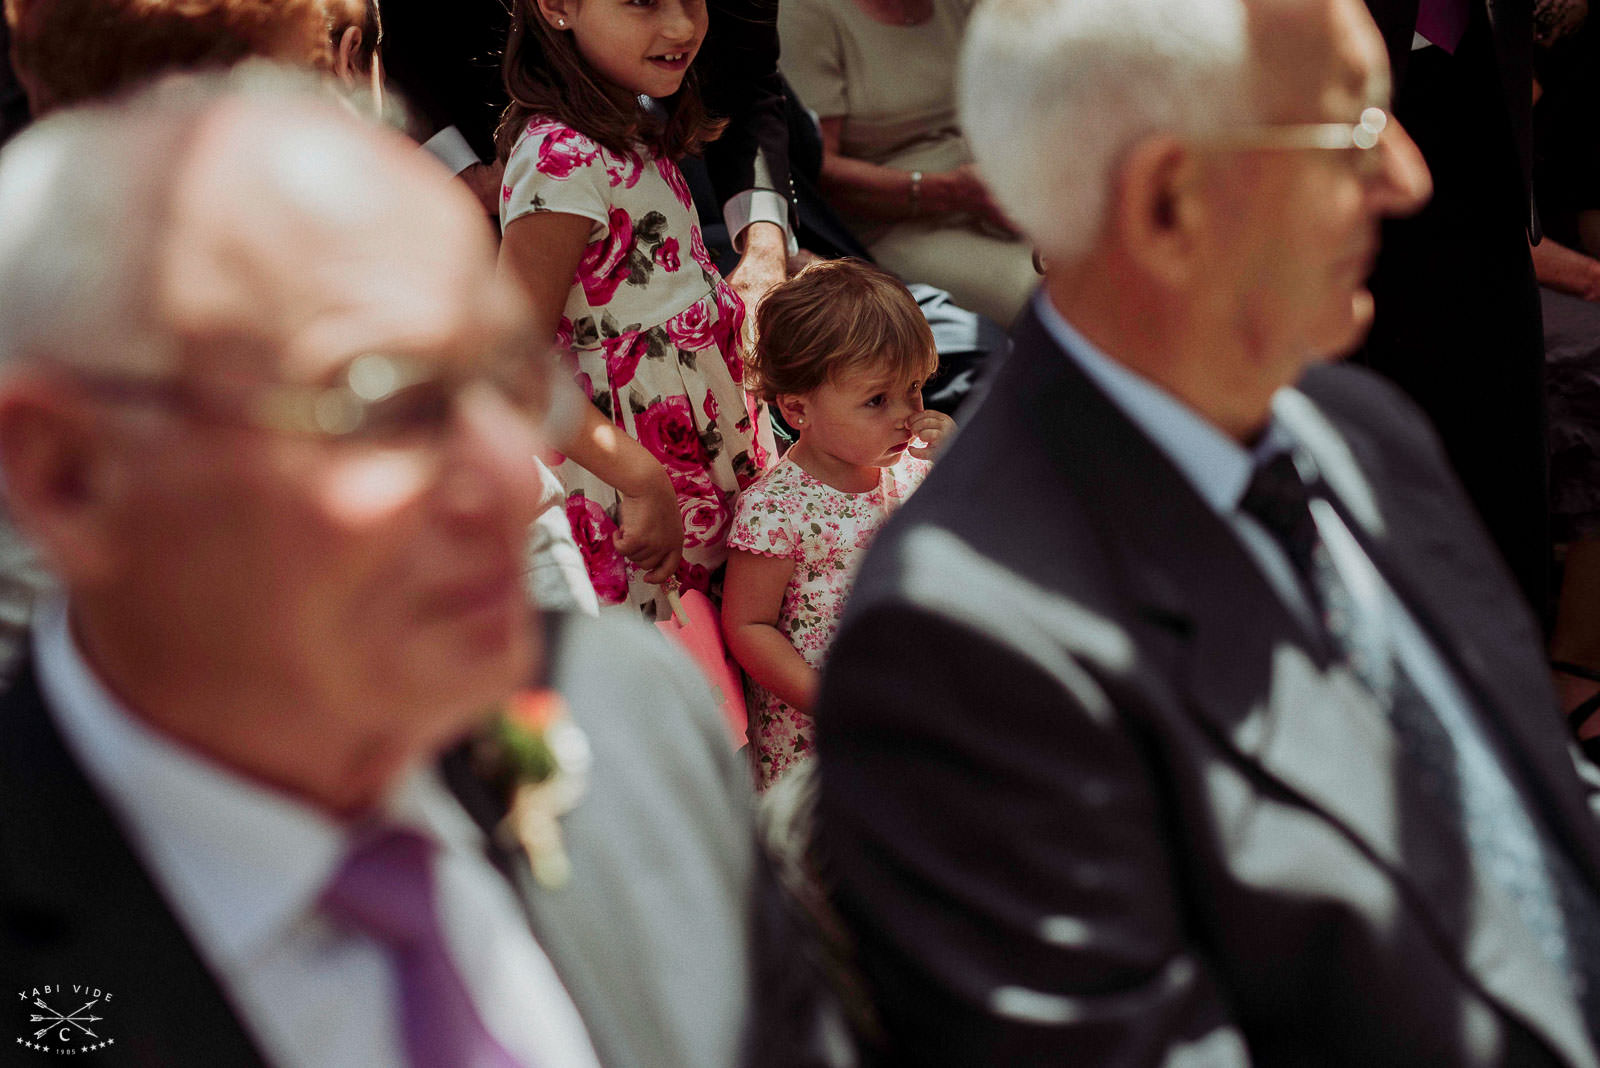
[(880, 74)]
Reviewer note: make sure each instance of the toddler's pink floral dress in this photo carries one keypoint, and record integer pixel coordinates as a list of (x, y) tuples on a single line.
[(825, 531), (656, 333)]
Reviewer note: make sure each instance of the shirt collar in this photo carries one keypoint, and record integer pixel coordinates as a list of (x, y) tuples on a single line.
[(240, 862), (1218, 467)]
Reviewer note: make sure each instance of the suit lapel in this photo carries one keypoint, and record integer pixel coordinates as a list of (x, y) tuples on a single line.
[(1425, 542), (1420, 539), (77, 906), (1262, 687), (565, 922)]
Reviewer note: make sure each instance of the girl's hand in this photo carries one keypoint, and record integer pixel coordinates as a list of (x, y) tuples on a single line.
[(651, 534), (930, 427)]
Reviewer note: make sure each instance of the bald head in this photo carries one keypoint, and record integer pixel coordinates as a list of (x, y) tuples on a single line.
[(248, 207), (283, 219)]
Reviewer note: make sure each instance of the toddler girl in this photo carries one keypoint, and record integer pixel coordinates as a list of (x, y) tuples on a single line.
[(601, 231), (843, 351)]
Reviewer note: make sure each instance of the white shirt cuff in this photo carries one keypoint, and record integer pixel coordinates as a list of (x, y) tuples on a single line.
[(451, 149), (758, 205)]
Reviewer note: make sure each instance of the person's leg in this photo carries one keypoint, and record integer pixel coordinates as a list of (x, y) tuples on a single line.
[(989, 275)]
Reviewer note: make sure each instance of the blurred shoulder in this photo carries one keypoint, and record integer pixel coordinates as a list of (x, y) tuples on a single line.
[(637, 696)]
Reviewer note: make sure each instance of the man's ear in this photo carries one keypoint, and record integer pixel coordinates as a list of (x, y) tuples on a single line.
[(344, 56), (1155, 206), (63, 481)]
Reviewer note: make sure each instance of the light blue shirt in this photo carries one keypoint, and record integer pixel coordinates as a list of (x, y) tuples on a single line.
[(242, 867), (1218, 467)]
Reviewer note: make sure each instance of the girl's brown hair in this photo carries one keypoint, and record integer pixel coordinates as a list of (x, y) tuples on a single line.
[(545, 75), (832, 317)]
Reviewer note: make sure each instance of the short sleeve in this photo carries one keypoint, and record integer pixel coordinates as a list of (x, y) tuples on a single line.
[(812, 57), (763, 523), (554, 168)]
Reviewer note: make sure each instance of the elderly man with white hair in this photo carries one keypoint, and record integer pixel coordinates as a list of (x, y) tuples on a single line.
[(270, 413), (1186, 715)]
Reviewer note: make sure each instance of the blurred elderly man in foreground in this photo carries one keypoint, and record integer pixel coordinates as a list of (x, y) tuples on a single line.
[(269, 414), (1185, 715)]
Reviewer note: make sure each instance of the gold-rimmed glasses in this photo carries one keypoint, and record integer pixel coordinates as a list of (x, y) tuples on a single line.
[(377, 398), (1363, 134)]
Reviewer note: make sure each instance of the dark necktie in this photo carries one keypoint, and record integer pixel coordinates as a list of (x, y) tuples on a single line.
[(1505, 839), (385, 890)]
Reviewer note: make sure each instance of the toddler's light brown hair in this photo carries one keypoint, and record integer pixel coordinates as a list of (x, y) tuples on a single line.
[(832, 317)]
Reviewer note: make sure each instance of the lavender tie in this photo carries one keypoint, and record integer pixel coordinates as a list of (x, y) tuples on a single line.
[(385, 890)]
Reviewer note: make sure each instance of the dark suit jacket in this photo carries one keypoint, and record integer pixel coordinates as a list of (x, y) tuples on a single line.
[(1091, 795), (445, 58), (665, 822)]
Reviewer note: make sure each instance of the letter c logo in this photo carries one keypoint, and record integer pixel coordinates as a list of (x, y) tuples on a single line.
[(64, 1036)]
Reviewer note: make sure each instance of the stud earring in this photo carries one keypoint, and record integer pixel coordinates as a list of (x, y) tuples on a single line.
[(561, 24)]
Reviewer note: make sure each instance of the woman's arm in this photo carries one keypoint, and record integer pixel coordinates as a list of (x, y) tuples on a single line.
[(874, 191), (1566, 270), (541, 251), (752, 595)]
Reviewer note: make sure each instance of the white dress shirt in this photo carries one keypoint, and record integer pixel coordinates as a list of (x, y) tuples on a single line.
[(242, 867)]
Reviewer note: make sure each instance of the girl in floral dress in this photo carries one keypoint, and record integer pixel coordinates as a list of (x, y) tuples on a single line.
[(600, 230), (842, 350)]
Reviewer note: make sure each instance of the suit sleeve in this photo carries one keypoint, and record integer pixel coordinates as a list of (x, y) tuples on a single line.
[(740, 79), (994, 837)]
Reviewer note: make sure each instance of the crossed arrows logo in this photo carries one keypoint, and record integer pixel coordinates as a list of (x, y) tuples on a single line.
[(55, 1019)]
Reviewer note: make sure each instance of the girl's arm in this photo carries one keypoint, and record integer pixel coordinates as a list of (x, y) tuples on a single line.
[(874, 191), (752, 594), (541, 251)]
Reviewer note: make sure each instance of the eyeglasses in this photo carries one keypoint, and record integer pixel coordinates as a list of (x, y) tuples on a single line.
[(1334, 136), (379, 398)]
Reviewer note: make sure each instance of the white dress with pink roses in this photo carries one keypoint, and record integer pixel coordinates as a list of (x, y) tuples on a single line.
[(825, 531), (656, 333)]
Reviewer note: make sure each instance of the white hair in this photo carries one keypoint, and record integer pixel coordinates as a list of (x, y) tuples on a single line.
[(1053, 93)]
